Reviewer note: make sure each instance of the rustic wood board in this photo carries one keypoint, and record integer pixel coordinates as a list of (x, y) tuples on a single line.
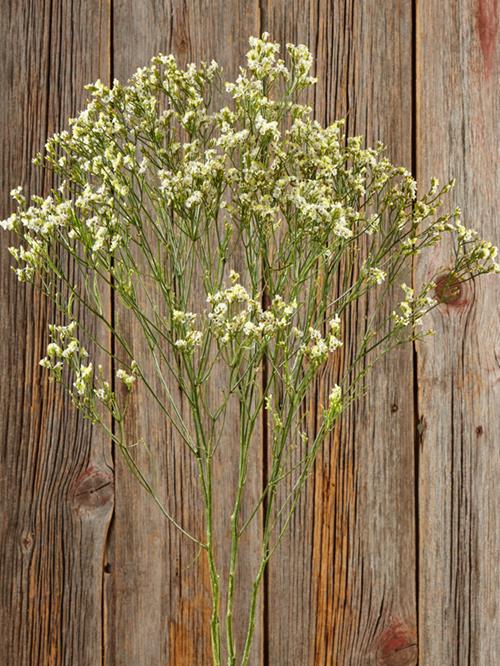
[(458, 125), (342, 588), (56, 477), (389, 534), (161, 588)]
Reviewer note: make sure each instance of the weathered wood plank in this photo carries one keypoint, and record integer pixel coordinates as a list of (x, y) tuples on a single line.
[(342, 587), (458, 127), (161, 589), (56, 480)]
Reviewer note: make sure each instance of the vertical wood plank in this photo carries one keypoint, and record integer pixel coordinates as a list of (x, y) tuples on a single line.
[(56, 481), (160, 608), (346, 592), (458, 128), (342, 588)]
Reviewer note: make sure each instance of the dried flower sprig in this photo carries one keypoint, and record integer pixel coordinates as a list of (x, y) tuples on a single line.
[(161, 198)]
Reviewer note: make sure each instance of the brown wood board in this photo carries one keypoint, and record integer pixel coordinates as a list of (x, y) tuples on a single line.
[(393, 554)]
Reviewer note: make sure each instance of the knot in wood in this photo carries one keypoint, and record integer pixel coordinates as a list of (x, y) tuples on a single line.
[(398, 645), (27, 540), (449, 290), (92, 489)]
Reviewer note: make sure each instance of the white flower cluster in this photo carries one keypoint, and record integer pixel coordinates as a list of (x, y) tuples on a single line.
[(413, 307), (301, 60), (263, 63), (317, 348), (97, 209), (373, 275), (230, 138), (90, 218), (481, 255), (83, 379), (318, 212), (315, 180), (158, 187), (189, 338), (116, 140), (194, 180), (103, 392), (334, 407), (65, 348), (29, 259), (88, 385), (128, 379), (36, 224), (43, 217), (267, 128), (261, 58), (235, 314)]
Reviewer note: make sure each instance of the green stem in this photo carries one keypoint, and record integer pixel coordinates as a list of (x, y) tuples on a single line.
[(244, 446)]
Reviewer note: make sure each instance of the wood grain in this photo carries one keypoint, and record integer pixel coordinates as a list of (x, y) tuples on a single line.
[(458, 125), (391, 540), (56, 480), (342, 588), (161, 587)]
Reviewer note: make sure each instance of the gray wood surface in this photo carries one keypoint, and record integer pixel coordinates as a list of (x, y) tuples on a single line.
[(161, 586), (458, 128), (343, 583), (56, 476), (394, 555)]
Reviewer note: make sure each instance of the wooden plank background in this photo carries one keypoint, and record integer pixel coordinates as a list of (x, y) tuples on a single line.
[(394, 557)]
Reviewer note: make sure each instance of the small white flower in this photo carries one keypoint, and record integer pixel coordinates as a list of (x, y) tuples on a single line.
[(194, 199), (126, 378), (83, 379), (334, 407), (374, 275)]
